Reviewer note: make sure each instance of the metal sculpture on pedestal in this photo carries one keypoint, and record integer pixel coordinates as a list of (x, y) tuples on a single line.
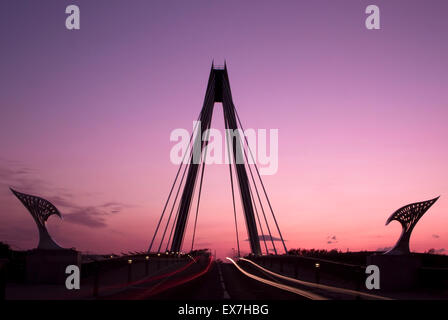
[(40, 210), (408, 216)]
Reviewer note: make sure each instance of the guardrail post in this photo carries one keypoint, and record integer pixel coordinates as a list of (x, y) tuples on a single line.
[(359, 279), (129, 270), (96, 278), (146, 265), (317, 271), (3, 264)]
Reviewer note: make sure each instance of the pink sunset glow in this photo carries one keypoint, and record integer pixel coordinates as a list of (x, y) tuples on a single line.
[(86, 117)]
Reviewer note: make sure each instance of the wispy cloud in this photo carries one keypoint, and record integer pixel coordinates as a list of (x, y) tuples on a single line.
[(436, 251), (332, 239), (90, 216), (266, 237), (15, 174), (23, 179)]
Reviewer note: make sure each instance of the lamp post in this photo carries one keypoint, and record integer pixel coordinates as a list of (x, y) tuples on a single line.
[(146, 265), (3, 263), (317, 269), (129, 270), (96, 278)]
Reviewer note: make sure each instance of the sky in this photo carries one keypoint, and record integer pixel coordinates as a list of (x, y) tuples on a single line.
[(86, 117)]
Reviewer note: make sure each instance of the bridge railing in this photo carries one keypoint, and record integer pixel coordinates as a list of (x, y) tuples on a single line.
[(3, 264), (434, 277), (431, 277), (100, 267), (294, 265)]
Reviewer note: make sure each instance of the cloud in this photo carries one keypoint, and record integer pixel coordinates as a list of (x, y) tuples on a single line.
[(436, 251), (13, 173), (266, 237), (332, 239), (436, 236), (23, 179), (89, 216)]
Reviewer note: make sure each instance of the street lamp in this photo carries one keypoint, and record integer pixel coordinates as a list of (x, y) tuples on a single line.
[(317, 266), (146, 265), (129, 270)]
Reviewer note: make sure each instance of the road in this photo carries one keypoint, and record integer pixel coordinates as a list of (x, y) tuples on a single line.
[(206, 279), (191, 278), (225, 281), (198, 278)]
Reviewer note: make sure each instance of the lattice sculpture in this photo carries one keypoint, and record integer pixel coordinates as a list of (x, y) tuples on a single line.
[(40, 210), (408, 216)]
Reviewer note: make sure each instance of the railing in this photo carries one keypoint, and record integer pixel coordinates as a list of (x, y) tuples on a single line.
[(3, 265), (98, 268), (349, 272), (434, 277)]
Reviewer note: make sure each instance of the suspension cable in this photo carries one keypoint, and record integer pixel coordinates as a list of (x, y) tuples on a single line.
[(203, 161), (255, 185), (207, 98), (262, 184), (261, 204), (172, 228), (172, 208), (172, 187), (231, 183), (258, 218), (208, 118)]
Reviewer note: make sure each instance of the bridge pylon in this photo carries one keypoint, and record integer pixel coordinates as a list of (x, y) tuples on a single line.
[(218, 90)]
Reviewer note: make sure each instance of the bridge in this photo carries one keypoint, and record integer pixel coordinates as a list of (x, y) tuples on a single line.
[(198, 276), (171, 269)]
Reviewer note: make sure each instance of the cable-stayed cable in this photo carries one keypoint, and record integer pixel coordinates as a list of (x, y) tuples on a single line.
[(262, 184), (231, 183), (200, 185), (171, 190), (253, 179)]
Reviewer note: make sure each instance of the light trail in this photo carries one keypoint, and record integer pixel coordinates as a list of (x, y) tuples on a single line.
[(158, 288), (126, 285), (302, 293), (320, 286)]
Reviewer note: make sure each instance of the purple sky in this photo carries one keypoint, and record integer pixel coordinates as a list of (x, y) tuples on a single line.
[(85, 116)]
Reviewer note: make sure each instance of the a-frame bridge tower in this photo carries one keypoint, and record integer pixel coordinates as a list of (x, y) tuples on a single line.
[(218, 90)]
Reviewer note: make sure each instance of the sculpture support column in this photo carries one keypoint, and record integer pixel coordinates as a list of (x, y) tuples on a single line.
[(408, 216), (400, 269), (40, 209), (47, 263)]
